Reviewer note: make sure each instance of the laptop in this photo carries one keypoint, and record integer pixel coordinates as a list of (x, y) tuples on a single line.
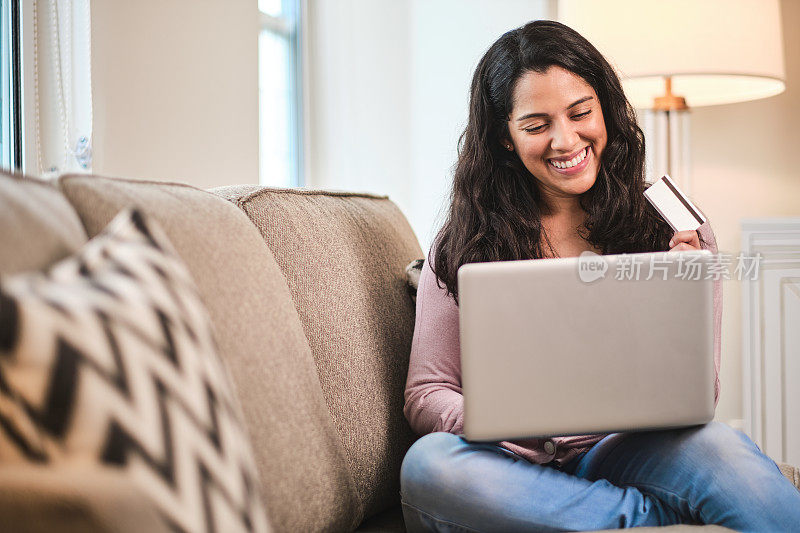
[(584, 345)]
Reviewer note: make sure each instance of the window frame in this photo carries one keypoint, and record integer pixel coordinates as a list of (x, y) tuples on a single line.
[(290, 25), (11, 85), (28, 90)]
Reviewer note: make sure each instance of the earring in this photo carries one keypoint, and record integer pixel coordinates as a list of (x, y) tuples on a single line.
[(509, 147)]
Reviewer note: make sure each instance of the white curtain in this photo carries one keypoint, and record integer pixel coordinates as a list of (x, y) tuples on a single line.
[(63, 85)]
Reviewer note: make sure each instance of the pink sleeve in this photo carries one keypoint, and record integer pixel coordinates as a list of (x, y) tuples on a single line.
[(433, 400), (711, 244)]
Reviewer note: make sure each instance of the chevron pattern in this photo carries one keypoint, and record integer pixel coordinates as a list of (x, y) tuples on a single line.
[(413, 272), (109, 357)]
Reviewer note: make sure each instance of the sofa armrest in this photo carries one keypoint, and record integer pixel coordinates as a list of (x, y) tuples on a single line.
[(73, 499), (791, 472)]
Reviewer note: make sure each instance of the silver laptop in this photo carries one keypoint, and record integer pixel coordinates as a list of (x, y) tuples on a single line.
[(590, 344)]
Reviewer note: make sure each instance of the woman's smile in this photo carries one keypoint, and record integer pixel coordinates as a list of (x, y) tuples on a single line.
[(571, 166)]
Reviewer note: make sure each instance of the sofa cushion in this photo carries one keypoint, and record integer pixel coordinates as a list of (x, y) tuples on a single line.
[(792, 473), (305, 478), (37, 225), (108, 357), (389, 521), (72, 498), (344, 257)]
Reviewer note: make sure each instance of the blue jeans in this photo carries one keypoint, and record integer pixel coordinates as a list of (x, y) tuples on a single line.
[(707, 474)]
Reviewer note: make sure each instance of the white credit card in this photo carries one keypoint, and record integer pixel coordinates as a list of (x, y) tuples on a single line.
[(673, 205)]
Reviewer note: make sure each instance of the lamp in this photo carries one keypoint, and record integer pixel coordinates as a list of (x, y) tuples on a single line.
[(677, 54)]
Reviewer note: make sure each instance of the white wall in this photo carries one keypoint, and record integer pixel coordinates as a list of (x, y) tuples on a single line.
[(389, 86), (175, 88), (358, 102), (176, 95), (745, 165)]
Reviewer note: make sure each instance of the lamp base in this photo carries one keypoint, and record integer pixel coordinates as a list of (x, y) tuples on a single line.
[(668, 138), (670, 102)]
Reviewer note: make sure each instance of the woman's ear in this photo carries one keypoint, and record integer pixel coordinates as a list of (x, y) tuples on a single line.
[(507, 145)]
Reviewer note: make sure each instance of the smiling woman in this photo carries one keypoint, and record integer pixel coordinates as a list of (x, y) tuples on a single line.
[(539, 98), (560, 146), (551, 164)]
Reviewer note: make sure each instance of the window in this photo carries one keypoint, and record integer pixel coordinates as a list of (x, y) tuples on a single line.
[(10, 103), (279, 89)]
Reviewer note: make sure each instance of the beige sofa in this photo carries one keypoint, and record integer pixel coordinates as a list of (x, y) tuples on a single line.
[(307, 294)]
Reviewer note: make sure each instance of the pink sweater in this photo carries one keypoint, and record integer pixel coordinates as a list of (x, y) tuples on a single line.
[(433, 400)]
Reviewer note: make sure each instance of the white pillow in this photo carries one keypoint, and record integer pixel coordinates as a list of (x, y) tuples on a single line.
[(109, 357)]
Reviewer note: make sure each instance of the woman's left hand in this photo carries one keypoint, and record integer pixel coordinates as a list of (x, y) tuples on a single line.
[(684, 240)]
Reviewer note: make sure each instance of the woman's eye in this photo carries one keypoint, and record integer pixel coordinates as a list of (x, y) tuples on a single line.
[(581, 114), (535, 128)]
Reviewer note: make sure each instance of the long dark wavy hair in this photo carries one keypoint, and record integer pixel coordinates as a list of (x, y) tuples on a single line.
[(495, 204)]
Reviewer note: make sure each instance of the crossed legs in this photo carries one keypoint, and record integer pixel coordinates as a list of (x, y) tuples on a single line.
[(704, 474)]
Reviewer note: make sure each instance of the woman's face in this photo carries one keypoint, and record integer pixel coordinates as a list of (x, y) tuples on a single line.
[(556, 127)]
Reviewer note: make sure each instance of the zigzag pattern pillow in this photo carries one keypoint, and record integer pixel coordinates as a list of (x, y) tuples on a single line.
[(109, 357), (413, 272)]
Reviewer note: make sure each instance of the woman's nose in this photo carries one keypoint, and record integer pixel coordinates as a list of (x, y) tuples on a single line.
[(565, 137)]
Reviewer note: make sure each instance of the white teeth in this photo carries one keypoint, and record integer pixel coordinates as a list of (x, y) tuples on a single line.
[(572, 162)]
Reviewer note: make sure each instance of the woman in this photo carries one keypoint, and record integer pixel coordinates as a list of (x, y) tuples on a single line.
[(552, 164)]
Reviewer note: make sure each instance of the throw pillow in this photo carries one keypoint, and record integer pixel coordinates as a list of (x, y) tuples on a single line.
[(413, 270), (109, 357)]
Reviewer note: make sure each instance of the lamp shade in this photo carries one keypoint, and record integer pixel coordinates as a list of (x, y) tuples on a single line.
[(716, 51)]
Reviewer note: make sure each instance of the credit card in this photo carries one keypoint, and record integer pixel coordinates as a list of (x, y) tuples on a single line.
[(673, 205)]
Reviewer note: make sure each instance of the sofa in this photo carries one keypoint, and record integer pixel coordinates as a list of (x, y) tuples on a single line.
[(308, 297)]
